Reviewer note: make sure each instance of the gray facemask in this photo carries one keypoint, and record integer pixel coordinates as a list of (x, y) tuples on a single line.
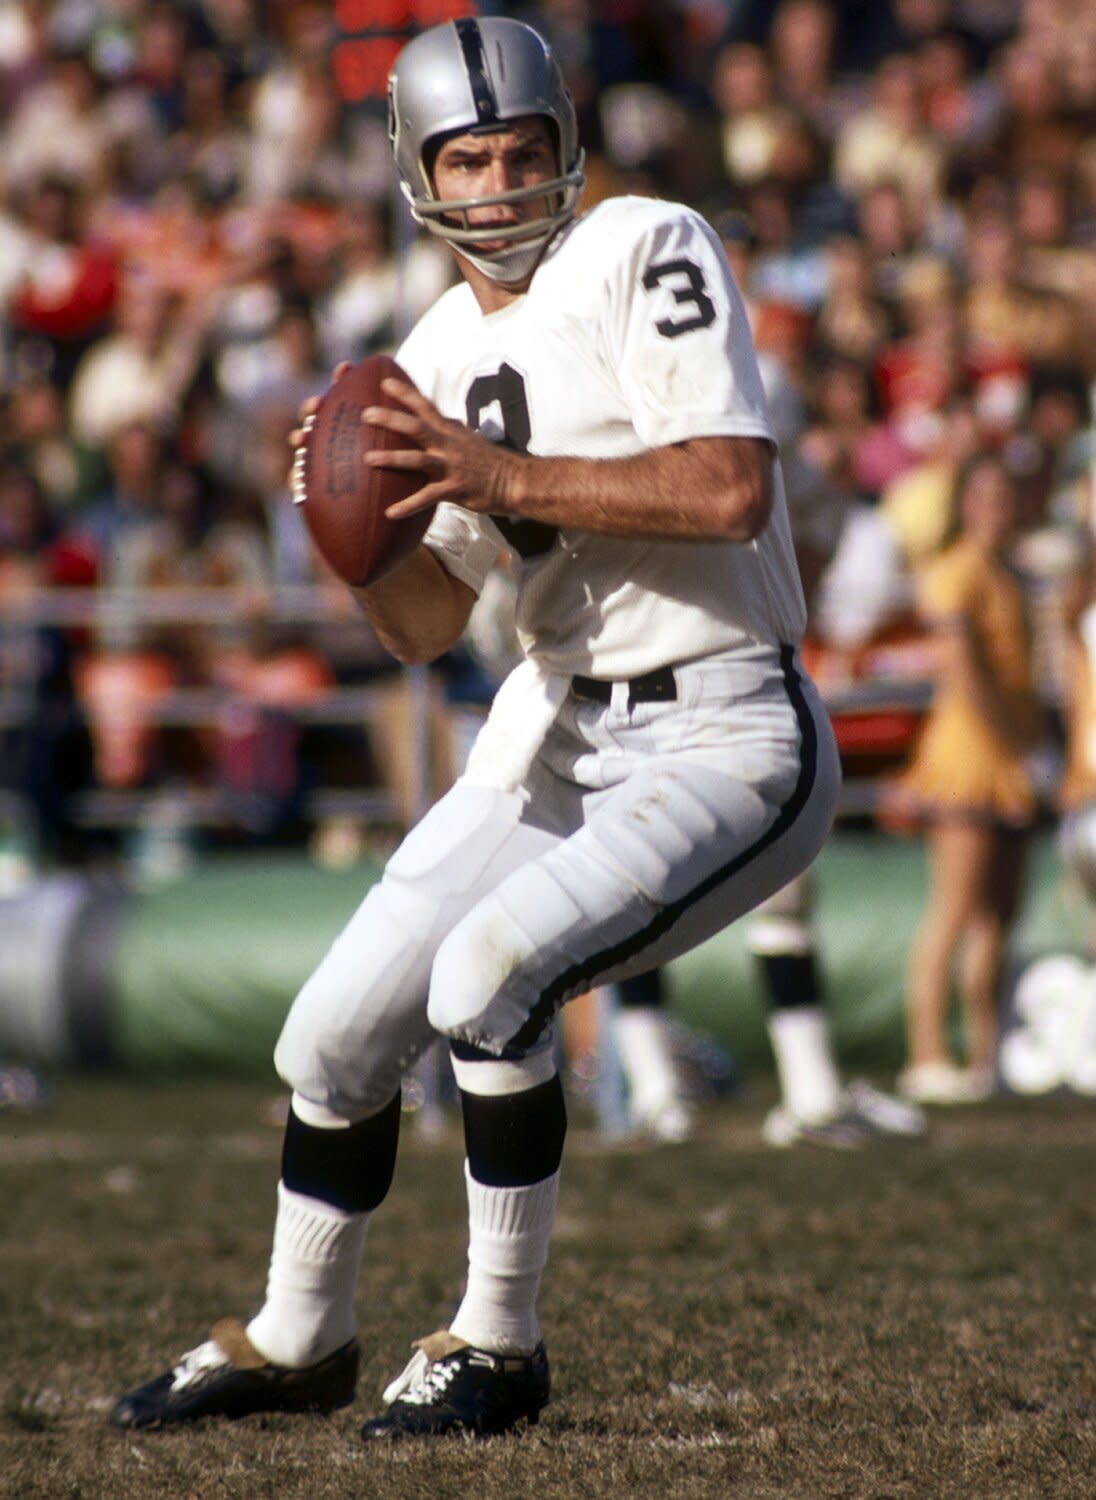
[(473, 76)]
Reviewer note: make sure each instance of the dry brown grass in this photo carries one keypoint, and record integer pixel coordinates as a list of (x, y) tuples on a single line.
[(910, 1321)]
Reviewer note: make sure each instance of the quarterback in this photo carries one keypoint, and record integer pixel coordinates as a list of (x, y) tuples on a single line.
[(587, 398)]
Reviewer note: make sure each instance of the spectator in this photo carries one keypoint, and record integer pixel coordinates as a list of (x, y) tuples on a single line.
[(209, 147), (134, 459), (802, 45), (293, 116), (56, 130), (1001, 313), (46, 750), (194, 539), (969, 781), (852, 321), (190, 538), (158, 66), (294, 561), (1034, 129), (141, 371), (888, 230), (38, 438), (65, 295), (736, 233), (891, 140), (1060, 422), (961, 109), (847, 439), (373, 293), (918, 501), (757, 127), (172, 238), (921, 372), (1050, 258), (235, 31), (286, 366)]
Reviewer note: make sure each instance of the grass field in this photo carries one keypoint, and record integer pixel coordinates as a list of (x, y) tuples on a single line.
[(723, 1320)]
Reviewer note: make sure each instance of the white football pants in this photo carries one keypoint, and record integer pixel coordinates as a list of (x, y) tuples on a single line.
[(639, 831)]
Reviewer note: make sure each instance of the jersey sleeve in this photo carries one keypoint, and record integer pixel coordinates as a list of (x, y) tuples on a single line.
[(466, 545), (679, 336)]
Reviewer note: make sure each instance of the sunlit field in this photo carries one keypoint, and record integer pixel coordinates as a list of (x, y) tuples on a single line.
[(909, 1320)]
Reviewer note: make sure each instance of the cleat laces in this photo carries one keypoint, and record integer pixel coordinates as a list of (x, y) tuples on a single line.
[(423, 1382), (197, 1364)]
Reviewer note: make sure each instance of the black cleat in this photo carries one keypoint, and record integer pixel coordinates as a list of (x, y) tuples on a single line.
[(228, 1377), (451, 1387)]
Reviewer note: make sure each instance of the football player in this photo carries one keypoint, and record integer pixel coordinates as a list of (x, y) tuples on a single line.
[(587, 397)]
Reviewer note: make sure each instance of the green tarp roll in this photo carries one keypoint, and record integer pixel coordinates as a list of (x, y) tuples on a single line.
[(208, 965), (205, 967)]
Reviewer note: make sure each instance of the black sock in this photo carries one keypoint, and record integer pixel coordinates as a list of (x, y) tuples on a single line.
[(350, 1168)]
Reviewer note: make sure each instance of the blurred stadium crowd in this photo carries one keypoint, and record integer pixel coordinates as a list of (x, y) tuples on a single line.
[(195, 227)]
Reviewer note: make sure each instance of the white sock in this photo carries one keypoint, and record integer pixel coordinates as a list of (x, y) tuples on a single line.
[(508, 1233), (313, 1278), (642, 1037), (809, 1083)]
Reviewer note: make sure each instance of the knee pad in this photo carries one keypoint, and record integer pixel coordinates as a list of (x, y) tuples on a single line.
[(485, 980)]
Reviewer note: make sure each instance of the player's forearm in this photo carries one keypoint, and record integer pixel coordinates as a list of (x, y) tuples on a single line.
[(419, 610), (705, 489)]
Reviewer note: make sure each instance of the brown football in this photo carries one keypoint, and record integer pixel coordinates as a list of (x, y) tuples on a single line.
[(343, 500)]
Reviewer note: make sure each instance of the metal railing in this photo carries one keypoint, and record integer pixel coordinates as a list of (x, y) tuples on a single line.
[(100, 610)]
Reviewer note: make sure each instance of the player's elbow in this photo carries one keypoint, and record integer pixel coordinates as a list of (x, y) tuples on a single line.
[(410, 653), (745, 506), (415, 646), (418, 611), (749, 510), (739, 475)]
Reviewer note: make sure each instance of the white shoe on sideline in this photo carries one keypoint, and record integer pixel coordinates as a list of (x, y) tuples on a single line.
[(945, 1083), (841, 1132), (671, 1123), (885, 1114)]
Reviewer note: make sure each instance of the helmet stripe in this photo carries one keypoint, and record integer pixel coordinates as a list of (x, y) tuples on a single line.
[(475, 60)]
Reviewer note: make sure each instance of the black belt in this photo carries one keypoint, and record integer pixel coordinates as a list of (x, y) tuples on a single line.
[(659, 686)]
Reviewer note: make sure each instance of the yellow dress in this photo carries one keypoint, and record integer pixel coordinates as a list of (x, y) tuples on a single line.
[(960, 766)]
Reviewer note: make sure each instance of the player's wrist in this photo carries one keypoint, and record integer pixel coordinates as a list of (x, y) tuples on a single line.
[(508, 489)]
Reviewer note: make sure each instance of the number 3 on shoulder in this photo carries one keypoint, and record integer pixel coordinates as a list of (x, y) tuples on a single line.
[(685, 282)]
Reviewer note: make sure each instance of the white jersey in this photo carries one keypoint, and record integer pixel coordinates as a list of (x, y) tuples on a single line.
[(631, 336)]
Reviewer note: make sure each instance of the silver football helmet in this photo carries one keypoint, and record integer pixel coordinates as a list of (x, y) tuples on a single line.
[(477, 75)]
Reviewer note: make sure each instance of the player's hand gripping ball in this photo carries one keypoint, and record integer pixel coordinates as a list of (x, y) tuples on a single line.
[(343, 499)]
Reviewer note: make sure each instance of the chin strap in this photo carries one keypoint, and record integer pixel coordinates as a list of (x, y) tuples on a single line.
[(508, 267)]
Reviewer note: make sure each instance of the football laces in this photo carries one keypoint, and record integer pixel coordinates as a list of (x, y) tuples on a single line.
[(296, 481)]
